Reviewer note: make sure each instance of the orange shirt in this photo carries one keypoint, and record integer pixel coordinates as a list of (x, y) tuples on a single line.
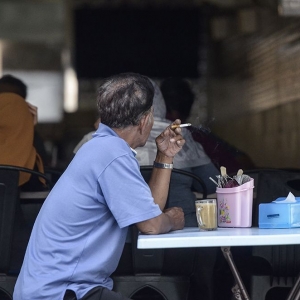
[(16, 135)]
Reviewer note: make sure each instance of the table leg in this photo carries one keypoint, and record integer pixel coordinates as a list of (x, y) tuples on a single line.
[(239, 292), (295, 288), (236, 292)]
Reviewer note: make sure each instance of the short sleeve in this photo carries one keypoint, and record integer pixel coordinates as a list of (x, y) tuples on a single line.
[(126, 193)]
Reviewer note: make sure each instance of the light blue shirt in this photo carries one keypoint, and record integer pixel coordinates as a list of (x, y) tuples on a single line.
[(79, 234)]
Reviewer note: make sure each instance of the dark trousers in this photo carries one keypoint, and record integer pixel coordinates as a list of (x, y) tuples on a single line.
[(97, 293)]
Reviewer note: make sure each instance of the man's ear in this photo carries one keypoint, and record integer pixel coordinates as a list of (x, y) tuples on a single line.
[(144, 122)]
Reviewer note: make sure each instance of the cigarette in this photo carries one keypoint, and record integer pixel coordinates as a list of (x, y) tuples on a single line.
[(181, 125)]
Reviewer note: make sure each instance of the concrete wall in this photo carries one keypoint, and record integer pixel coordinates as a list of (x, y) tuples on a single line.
[(255, 91)]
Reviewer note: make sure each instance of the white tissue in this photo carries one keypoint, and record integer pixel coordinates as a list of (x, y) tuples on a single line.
[(289, 199)]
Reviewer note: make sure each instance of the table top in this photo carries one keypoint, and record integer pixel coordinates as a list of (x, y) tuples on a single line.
[(222, 237)]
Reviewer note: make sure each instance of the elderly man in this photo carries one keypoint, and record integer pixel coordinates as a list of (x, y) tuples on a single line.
[(79, 234)]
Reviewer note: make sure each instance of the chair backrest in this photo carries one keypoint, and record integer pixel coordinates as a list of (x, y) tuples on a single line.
[(147, 170), (53, 174), (26, 170), (8, 202), (271, 184)]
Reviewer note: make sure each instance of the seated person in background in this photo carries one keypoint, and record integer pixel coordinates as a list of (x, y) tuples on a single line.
[(17, 120), (192, 158), (179, 98), (80, 232)]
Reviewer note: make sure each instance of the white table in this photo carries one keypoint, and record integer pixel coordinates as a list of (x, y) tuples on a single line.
[(225, 238), (192, 237)]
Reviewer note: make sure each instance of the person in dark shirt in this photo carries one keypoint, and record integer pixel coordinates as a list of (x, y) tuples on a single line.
[(179, 98)]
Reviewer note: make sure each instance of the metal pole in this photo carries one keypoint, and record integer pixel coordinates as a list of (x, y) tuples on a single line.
[(227, 254), (296, 287)]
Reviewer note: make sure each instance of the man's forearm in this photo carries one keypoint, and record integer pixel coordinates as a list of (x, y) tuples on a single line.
[(161, 224), (160, 181)]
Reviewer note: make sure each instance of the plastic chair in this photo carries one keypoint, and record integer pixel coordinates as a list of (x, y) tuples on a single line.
[(282, 270), (31, 201), (147, 276), (8, 205), (149, 270), (18, 169), (271, 184), (282, 263), (16, 220)]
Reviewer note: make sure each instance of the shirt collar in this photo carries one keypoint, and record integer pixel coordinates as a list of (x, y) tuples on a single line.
[(133, 151), (105, 130)]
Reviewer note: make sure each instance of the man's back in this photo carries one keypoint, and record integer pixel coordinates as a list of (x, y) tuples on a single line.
[(83, 221)]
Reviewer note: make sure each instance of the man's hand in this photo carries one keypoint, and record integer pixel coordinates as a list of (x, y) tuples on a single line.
[(170, 141), (177, 217), (33, 111)]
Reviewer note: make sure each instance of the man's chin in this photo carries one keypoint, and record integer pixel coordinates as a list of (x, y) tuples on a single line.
[(142, 145)]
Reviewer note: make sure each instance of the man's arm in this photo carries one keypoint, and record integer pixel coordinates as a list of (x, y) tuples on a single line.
[(171, 219), (169, 143), (160, 180)]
